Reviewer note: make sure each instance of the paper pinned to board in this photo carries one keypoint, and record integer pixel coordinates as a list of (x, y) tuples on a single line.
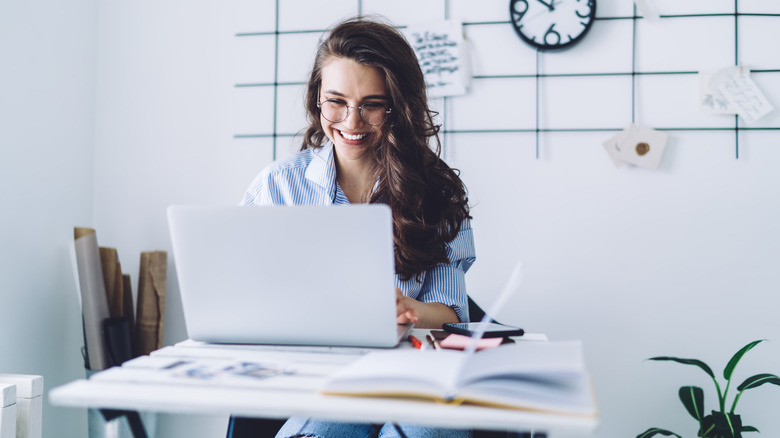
[(442, 54), (637, 145), (731, 91)]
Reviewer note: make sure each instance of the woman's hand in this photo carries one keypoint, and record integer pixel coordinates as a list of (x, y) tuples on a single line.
[(405, 308), (423, 315)]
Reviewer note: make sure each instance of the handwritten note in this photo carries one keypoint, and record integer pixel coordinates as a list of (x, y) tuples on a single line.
[(743, 93), (732, 91), (441, 52)]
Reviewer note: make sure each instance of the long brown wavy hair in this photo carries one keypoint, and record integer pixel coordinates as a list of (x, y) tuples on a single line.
[(427, 197)]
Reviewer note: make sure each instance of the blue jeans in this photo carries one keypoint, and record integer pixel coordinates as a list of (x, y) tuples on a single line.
[(306, 427)]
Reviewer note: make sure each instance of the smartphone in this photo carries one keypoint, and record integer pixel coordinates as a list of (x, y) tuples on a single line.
[(494, 330)]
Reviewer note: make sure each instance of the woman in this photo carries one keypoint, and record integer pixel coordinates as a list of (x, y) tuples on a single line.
[(368, 142)]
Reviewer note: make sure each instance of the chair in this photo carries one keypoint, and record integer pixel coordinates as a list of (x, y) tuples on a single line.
[(475, 312)]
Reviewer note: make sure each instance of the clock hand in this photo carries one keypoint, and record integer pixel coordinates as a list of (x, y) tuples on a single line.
[(550, 6), (532, 17)]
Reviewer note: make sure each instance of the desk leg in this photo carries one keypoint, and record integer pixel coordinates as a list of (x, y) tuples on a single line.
[(133, 419)]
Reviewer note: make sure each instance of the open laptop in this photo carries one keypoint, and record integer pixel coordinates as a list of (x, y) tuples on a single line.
[(286, 275)]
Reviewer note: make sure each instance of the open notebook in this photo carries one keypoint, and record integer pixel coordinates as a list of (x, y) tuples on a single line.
[(547, 377), (286, 275)]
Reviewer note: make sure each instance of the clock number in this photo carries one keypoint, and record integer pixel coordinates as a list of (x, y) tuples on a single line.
[(551, 35), (551, 24), (519, 9), (590, 10)]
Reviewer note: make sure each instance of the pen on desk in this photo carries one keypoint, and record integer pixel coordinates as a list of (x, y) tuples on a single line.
[(415, 342), (433, 341)]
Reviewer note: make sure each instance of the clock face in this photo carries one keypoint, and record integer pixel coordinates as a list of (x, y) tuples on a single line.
[(552, 24)]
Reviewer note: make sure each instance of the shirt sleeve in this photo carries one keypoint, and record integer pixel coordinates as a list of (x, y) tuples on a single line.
[(256, 193), (277, 186), (446, 283)]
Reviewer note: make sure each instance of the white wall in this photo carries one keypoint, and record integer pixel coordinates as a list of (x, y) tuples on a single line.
[(636, 263), (47, 92)]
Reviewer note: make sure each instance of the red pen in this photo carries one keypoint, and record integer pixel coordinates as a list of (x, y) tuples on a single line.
[(415, 342)]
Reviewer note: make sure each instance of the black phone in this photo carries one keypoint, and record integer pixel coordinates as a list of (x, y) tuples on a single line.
[(493, 330)]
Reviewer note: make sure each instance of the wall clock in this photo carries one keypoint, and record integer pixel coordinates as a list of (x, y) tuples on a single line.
[(552, 24)]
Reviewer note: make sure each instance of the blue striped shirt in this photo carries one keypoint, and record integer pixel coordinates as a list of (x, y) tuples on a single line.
[(309, 178)]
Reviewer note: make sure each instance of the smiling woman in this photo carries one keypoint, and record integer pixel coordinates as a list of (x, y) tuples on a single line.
[(371, 130), (369, 141), (348, 85)]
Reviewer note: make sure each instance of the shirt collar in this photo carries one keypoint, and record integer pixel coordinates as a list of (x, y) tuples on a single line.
[(322, 168)]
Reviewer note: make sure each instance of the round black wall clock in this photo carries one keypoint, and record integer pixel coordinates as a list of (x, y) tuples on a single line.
[(552, 24)]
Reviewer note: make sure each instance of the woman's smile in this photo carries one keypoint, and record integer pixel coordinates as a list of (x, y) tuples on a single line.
[(353, 138)]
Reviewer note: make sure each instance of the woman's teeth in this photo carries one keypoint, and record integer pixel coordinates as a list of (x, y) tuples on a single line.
[(353, 137)]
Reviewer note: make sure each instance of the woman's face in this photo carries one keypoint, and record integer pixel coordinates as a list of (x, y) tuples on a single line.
[(346, 81)]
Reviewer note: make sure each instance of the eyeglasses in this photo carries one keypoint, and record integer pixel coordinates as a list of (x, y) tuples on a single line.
[(372, 113)]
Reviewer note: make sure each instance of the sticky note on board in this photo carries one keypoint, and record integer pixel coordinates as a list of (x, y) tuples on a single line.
[(643, 146), (637, 145)]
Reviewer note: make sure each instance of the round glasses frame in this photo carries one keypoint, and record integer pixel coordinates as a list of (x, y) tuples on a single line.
[(361, 108)]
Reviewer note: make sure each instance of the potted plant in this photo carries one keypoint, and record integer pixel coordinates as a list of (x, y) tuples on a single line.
[(720, 423)]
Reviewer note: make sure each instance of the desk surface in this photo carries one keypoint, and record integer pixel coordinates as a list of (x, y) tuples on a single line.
[(140, 385)]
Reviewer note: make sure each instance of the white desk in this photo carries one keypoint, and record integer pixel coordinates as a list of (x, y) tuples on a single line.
[(137, 389)]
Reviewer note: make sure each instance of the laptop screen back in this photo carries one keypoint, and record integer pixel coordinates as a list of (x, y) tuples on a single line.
[(286, 275)]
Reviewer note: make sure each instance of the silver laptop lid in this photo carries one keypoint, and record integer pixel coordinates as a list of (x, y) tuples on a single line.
[(286, 275)]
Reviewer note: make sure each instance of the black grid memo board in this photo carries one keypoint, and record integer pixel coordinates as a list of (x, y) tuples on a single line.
[(539, 77)]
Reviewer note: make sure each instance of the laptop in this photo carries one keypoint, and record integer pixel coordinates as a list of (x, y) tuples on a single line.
[(302, 275)]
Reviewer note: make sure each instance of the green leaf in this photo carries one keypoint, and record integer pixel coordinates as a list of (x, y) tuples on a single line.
[(696, 362), (758, 380), (707, 426), (729, 370), (726, 425), (692, 398), (653, 431), (749, 429)]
